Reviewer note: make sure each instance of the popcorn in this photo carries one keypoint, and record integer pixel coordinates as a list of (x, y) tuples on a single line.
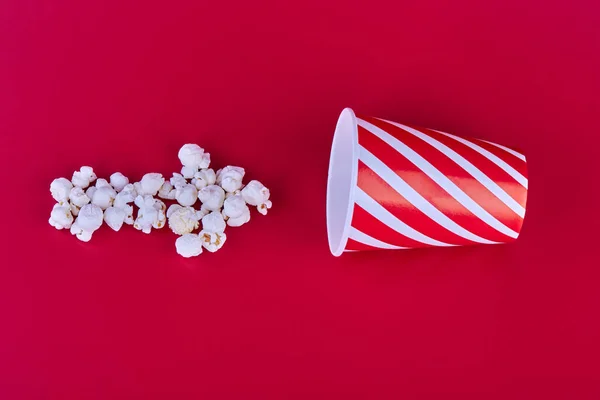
[(87, 222), (256, 194), (203, 178), (102, 183), (150, 184), (61, 217), (115, 217), (186, 195), (60, 189), (178, 181), (167, 191), (118, 181), (193, 156), (188, 172), (78, 197), (235, 211), (150, 215), (90, 191), (83, 177), (104, 196), (182, 220), (212, 241), (212, 197), (213, 222), (74, 210), (230, 178), (82, 235), (189, 245), (125, 196)]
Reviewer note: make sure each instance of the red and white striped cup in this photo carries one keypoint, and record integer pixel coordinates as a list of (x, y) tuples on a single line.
[(394, 186)]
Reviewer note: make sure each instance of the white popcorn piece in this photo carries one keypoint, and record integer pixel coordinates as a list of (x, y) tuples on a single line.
[(78, 197), (230, 178), (84, 236), (102, 183), (213, 222), (167, 191), (60, 189), (182, 220), (128, 209), (74, 209), (114, 217), (178, 181), (213, 241), (186, 195), (256, 194), (87, 222), (229, 194), (189, 245), (150, 184), (264, 207), (90, 192), (150, 215), (193, 156), (125, 196), (90, 218), (61, 217), (235, 211), (188, 172), (203, 178), (118, 181), (83, 177), (104, 197), (212, 197)]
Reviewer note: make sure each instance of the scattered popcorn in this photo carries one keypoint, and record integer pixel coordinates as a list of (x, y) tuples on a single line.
[(167, 191), (82, 207), (83, 177), (203, 178), (182, 220), (178, 181), (189, 245), (230, 178), (186, 195), (61, 217), (256, 194), (150, 184), (213, 222), (78, 197), (212, 241), (60, 189), (114, 217), (118, 181), (150, 215), (104, 197), (212, 197), (235, 211), (193, 156)]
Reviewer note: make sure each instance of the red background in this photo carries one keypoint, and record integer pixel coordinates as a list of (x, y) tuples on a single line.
[(121, 85)]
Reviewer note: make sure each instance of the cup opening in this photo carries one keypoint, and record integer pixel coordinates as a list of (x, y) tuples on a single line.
[(341, 181)]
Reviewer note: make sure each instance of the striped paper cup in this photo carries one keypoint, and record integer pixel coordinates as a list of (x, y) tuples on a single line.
[(394, 186)]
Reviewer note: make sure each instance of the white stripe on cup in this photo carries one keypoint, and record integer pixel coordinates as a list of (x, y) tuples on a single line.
[(363, 238), (492, 157), (511, 151), (384, 216), (413, 197), (438, 177)]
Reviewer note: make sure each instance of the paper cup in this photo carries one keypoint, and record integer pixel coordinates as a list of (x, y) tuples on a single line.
[(394, 186)]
